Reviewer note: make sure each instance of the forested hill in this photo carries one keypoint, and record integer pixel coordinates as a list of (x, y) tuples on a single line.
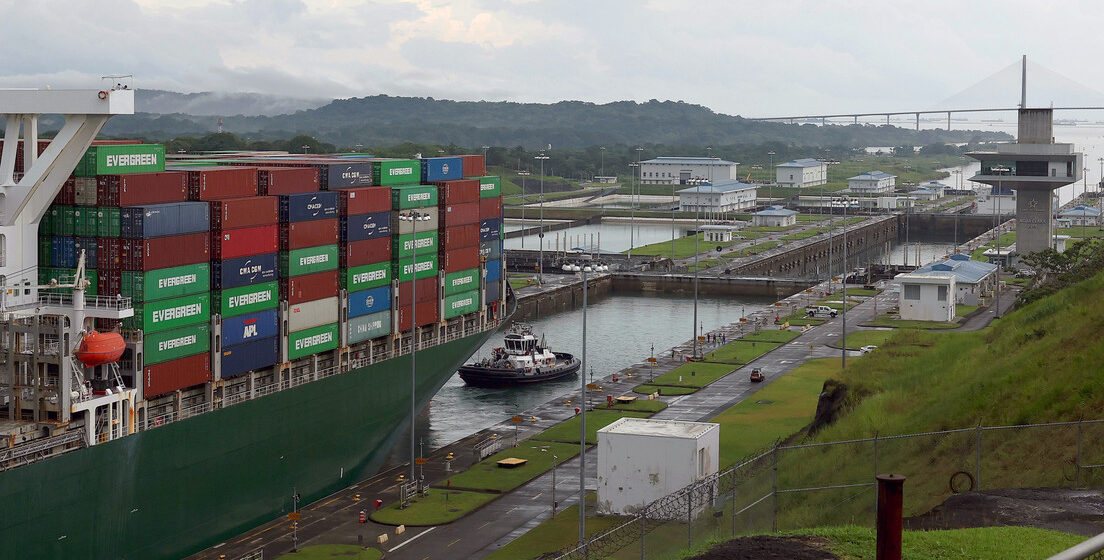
[(387, 120)]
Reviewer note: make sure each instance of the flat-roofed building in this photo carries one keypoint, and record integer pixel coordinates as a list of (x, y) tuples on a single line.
[(871, 182), (719, 196), (927, 297), (681, 170), (801, 173)]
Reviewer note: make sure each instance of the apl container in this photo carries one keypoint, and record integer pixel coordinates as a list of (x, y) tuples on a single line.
[(163, 252), (312, 341), (366, 276), (250, 211), (474, 165), (370, 301), (442, 169), (490, 208), (413, 196), (309, 287), (163, 220), (308, 206), (364, 200), (121, 159), (247, 299), (243, 271), (249, 327), (494, 271), (396, 171), (234, 243), (403, 269), (462, 258), (166, 314), (462, 281), (490, 250), (166, 283), (458, 191), (213, 183), (421, 290), (311, 233), (490, 230), (359, 227), (312, 313), (242, 358), (490, 187), (141, 188), (177, 374), (406, 245), (460, 304), (307, 261), (286, 180), (170, 345), (367, 327), (359, 253)]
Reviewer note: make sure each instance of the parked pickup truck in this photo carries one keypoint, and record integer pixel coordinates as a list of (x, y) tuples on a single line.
[(820, 311)]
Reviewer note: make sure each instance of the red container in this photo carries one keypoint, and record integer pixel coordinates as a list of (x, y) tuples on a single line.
[(457, 192), (109, 254), (459, 214), (369, 251), (213, 183), (425, 313), (109, 282), (165, 252), (426, 291), (474, 165), (459, 236), (141, 188), (313, 233), (286, 180), (309, 287), (490, 208), (181, 373), (251, 211), (366, 200), (68, 192), (455, 260), (234, 243)]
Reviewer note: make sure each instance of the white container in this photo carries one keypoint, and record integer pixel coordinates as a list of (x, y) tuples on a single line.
[(369, 326), (312, 314)]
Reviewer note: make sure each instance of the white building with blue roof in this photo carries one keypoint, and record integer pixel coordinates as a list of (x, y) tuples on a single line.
[(973, 279), (1081, 215), (871, 182), (802, 173), (775, 216), (718, 196), (681, 170)]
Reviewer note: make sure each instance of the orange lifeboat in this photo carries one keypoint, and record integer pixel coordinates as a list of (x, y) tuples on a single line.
[(99, 348)]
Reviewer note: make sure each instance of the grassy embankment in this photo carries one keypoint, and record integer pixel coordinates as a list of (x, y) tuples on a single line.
[(326, 551)]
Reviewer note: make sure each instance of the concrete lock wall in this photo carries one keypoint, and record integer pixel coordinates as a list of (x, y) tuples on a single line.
[(811, 259)]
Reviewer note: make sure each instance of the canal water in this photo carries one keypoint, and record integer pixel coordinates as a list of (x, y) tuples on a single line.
[(613, 236)]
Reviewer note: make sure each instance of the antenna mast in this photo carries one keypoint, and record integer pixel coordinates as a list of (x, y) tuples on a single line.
[(1023, 84)]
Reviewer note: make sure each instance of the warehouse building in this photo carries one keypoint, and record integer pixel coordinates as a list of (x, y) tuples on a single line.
[(927, 297), (680, 170), (1080, 215), (974, 280), (775, 216), (719, 196), (802, 173), (871, 182)]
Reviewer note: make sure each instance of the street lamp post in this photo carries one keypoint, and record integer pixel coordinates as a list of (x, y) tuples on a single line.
[(632, 206), (843, 286), (582, 423), (774, 175), (697, 237), (1000, 170), (523, 174), (485, 148), (603, 149), (540, 236)]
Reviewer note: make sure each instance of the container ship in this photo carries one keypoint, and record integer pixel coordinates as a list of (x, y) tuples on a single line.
[(263, 307)]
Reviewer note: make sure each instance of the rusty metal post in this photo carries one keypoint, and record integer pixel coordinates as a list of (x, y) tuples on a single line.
[(1079, 421), (889, 522)]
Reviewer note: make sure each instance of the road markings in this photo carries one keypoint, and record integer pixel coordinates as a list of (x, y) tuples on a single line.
[(539, 494), (484, 525), (411, 539), (453, 542), (325, 503)]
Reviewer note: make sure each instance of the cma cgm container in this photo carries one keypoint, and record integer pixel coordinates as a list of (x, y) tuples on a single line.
[(359, 227), (162, 220), (250, 211), (364, 200), (154, 316), (249, 327), (424, 289), (246, 299), (474, 165), (413, 196), (243, 271), (490, 230), (121, 159), (367, 276), (141, 188), (425, 313), (490, 187), (345, 174), (233, 243), (312, 313), (311, 233), (312, 341), (367, 327), (462, 281), (366, 302), (165, 283), (309, 287), (490, 250), (272, 181), (162, 252), (308, 206), (459, 304), (442, 169), (248, 356), (170, 345), (458, 191), (212, 183), (396, 171), (181, 373), (369, 251)]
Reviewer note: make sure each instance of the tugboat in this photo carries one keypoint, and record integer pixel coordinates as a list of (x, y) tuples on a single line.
[(521, 362)]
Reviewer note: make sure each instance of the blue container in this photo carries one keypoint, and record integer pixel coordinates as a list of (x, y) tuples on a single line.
[(490, 250), (63, 252), (494, 271), (491, 292), (347, 175), (303, 207), (365, 226), (249, 327), (369, 301), (89, 245), (256, 354), (243, 271), (491, 229), (163, 220), (442, 169)]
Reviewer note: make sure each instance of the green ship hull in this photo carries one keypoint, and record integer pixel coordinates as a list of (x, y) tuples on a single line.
[(177, 489)]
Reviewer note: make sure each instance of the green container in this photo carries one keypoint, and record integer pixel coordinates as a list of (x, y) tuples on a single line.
[(166, 282), (362, 277), (93, 277), (107, 221), (402, 269), (312, 341), (489, 187), (459, 304), (396, 172), (63, 220), (121, 159), (176, 343), (413, 196), (168, 314), (84, 221), (247, 299), (463, 281), (308, 261), (403, 245), (44, 253)]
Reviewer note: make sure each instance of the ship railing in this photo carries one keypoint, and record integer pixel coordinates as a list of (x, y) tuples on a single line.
[(41, 448), (90, 302)]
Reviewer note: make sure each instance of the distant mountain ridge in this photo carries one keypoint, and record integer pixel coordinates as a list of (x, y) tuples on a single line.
[(382, 120), (212, 103)]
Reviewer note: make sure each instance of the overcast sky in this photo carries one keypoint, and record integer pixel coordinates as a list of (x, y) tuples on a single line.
[(753, 58)]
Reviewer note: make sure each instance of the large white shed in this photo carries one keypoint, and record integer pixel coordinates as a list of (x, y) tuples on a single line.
[(641, 460)]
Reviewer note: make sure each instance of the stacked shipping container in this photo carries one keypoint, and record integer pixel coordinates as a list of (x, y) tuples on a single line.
[(309, 271)]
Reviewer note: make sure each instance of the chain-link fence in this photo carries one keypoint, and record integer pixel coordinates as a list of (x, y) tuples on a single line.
[(820, 484)]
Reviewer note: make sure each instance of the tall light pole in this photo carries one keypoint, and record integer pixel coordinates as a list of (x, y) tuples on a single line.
[(540, 236), (485, 148), (582, 422), (523, 174), (603, 149), (632, 206), (413, 341), (843, 285), (697, 237), (774, 175), (1000, 170)]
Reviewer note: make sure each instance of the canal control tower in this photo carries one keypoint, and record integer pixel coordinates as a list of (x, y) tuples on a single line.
[(1035, 166)]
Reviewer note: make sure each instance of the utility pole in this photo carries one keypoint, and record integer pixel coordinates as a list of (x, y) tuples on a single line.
[(1000, 171), (843, 284), (540, 236)]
